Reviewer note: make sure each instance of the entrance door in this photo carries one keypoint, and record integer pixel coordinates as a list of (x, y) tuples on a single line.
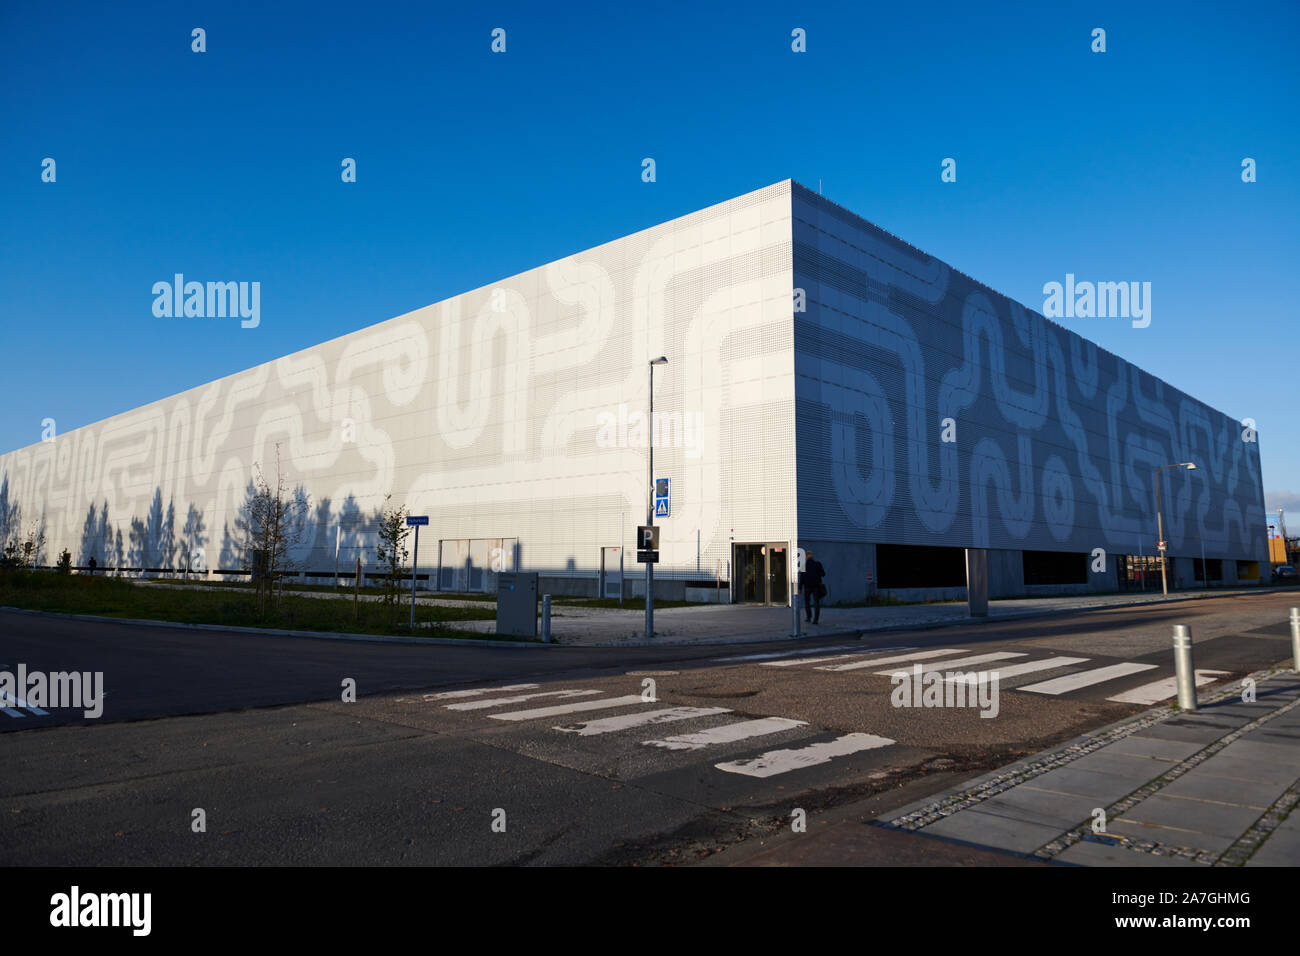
[(611, 573), (762, 573)]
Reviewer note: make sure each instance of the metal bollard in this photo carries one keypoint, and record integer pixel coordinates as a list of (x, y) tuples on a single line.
[(546, 619), (1295, 640), (1186, 673)]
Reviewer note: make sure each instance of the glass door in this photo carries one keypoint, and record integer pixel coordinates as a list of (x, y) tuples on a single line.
[(778, 583), (762, 573)]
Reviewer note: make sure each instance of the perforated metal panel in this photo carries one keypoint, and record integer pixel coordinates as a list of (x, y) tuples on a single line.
[(486, 413), (1056, 439)]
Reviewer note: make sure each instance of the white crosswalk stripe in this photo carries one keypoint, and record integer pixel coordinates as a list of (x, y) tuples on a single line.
[(1160, 690), (8, 703), (1098, 675), (726, 734), (809, 660), (957, 664), (877, 661), (455, 694), (505, 701), (775, 655), (1015, 670), (608, 725), (777, 762), (602, 704)]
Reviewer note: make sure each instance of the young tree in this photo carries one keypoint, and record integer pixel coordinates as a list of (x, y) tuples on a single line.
[(391, 552), (271, 524), (26, 550)]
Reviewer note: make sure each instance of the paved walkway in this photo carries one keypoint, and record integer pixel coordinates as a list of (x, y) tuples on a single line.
[(740, 623), (1214, 787)]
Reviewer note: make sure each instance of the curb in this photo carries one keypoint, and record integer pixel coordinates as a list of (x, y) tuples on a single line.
[(283, 632), (557, 639), (925, 625)]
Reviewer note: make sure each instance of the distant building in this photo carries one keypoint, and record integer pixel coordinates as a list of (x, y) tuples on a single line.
[(828, 384)]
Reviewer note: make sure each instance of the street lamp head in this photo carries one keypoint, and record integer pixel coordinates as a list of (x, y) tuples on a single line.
[(1189, 465), (661, 360)]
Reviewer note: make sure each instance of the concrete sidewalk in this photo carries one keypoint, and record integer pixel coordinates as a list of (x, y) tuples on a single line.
[(1214, 787), (743, 623)]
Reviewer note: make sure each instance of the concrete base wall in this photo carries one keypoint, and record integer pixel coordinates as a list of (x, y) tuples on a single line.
[(1006, 574), (568, 587), (1107, 580), (921, 595), (666, 589), (847, 565)]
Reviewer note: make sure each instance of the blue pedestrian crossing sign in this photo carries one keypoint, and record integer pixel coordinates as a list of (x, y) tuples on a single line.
[(663, 509)]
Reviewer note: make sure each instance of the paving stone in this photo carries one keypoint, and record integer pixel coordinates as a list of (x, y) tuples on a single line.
[(987, 829), (1097, 786), (1141, 745), (1282, 848), (1253, 747), (1196, 820), (1085, 853), (1136, 768), (1231, 767), (1172, 836), (1204, 735), (1199, 784), (1060, 810)]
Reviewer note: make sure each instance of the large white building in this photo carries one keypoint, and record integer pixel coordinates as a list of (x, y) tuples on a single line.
[(814, 363)]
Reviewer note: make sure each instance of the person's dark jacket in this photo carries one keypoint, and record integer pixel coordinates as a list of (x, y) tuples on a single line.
[(810, 579)]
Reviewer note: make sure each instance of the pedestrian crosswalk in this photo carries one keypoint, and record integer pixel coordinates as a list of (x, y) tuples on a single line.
[(642, 712), (717, 729), (943, 661)]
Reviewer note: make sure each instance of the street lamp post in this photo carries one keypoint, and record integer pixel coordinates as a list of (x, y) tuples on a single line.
[(650, 504), (1160, 524)]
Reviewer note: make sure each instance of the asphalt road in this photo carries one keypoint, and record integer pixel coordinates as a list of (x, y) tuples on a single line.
[(435, 759)]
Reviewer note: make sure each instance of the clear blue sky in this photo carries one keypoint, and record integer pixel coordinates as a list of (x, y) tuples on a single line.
[(473, 166)]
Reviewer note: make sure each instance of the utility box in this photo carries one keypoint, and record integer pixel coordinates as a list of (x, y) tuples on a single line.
[(517, 603)]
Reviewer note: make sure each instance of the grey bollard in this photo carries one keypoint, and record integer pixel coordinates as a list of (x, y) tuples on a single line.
[(1183, 668), (546, 619), (1295, 640)]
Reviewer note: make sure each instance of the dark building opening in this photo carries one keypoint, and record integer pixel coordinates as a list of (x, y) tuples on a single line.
[(1212, 567), (1055, 567), (1137, 572), (913, 566)]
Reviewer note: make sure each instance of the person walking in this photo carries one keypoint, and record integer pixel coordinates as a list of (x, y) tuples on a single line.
[(813, 587)]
